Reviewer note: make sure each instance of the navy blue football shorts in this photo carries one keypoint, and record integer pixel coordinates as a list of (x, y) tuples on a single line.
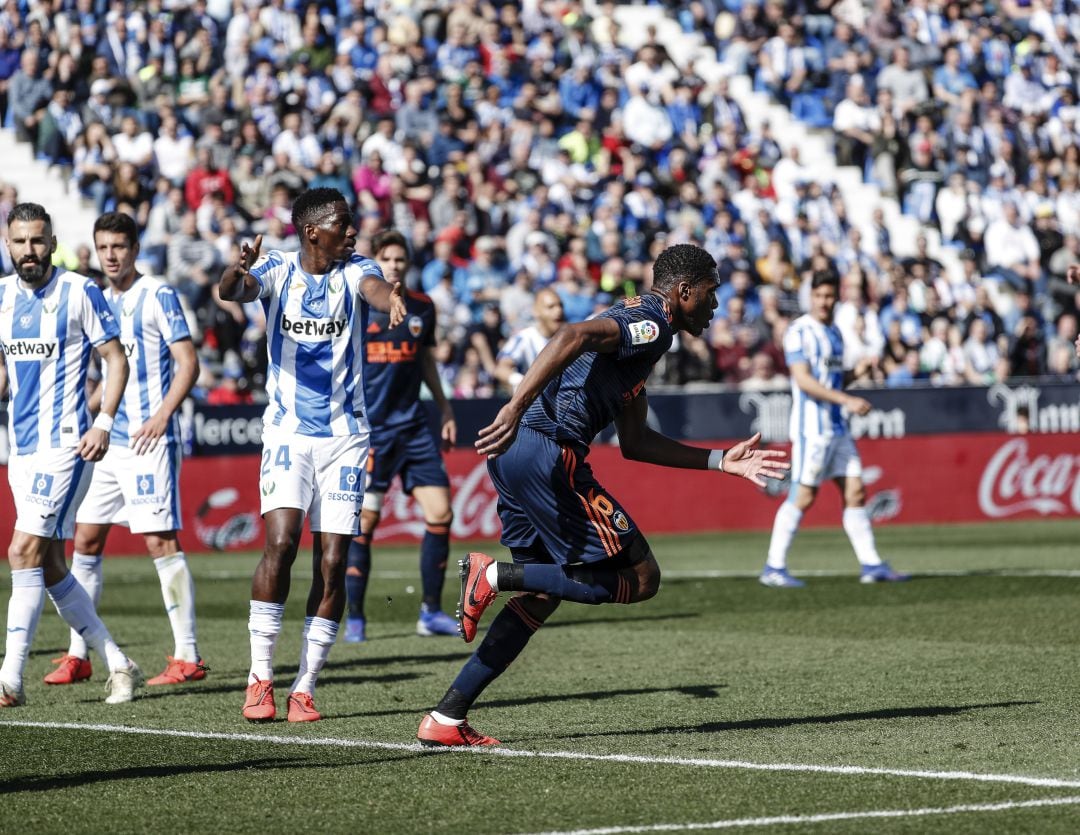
[(549, 497), (409, 451)]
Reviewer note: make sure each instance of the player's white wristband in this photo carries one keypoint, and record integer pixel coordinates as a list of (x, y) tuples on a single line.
[(515, 379), (716, 460), (104, 422)]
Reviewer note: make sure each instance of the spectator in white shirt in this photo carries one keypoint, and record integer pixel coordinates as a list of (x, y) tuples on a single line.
[(1011, 247)]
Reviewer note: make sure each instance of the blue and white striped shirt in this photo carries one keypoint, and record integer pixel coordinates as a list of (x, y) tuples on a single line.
[(822, 348), (315, 328), (151, 319), (46, 336)]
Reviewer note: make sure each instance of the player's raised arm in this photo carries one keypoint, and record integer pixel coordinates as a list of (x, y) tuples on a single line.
[(237, 283), (386, 297), (95, 441), (640, 443), (570, 342)]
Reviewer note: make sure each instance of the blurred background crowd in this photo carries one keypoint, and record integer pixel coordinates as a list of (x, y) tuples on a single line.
[(523, 147)]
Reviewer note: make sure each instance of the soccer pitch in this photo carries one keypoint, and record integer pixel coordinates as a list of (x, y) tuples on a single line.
[(946, 704)]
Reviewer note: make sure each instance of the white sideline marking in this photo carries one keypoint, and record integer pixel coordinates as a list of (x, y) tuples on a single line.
[(825, 818), (694, 574), (722, 574), (1017, 779)]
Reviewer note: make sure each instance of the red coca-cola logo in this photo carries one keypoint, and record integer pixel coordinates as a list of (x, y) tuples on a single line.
[(1014, 482), (475, 505)]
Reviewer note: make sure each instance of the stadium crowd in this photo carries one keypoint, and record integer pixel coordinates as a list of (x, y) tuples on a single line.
[(525, 146)]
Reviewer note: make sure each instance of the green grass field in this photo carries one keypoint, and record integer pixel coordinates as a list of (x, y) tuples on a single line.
[(947, 704)]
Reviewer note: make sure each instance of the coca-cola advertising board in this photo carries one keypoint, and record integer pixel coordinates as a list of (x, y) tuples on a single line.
[(924, 479)]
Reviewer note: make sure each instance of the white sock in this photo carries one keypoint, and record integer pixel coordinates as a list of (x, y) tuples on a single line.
[(857, 527), (87, 571), (74, 606), (446, 720), (24, 610), (491, 574), (319, 636), (178, 592), (264, 626), (785, 526)]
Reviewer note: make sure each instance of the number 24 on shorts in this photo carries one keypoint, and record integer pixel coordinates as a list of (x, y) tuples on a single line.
[(281, 459)]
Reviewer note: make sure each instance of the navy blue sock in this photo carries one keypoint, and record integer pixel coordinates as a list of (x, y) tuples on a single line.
[(356, 574), (434, 552), (579, 583), (506, 638)]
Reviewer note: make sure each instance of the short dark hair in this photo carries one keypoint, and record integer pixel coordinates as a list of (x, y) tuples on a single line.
[(822, 277), (682, 262), (27, 212), (117, 222), (389, 237), (310, 206)]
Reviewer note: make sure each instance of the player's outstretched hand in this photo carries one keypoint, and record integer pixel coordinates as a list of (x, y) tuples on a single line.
[(146, 439), (249, 255), (397, 303), (495, 439), (857, 405), (93, 444), (1073, 274), (756, 465)]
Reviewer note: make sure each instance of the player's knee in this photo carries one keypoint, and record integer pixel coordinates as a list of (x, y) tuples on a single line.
[(440, 519), (86, 543), (159, 545), (648, 577), (282, 544)]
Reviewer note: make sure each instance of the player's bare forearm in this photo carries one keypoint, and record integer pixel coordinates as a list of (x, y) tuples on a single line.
[(385, 297), (237, 283), (568, 343), (186, 371), (116, 377), (3, 380), (430, 375), (813, 389)]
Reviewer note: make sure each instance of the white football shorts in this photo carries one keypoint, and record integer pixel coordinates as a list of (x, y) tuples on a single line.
[(814, 460), (140, 491), (324, 477), (48, 486)]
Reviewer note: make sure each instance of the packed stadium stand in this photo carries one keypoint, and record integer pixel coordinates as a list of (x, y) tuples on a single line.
[(926, 152)]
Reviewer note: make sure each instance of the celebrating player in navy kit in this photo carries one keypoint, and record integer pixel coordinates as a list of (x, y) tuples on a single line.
[(569, 538), (396, 362)]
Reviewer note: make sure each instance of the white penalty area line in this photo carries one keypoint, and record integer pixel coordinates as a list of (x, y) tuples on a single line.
[(331, 742), (780, 820)]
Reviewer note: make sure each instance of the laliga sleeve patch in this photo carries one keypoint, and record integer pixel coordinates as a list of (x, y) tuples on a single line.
[(642, 333)]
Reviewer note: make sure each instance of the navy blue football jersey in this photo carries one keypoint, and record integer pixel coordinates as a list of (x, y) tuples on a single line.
[(589, 394), (392, 369)]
